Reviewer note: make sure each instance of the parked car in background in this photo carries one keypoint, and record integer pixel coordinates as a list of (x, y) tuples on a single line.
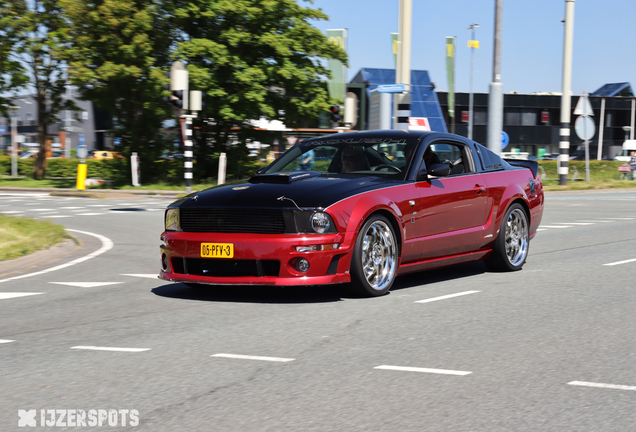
[(358, 216), (104, 154)]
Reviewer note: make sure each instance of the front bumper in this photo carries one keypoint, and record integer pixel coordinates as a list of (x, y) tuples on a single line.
[(259, 259)]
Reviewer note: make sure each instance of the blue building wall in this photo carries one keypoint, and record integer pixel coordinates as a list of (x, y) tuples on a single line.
[(424, 102)]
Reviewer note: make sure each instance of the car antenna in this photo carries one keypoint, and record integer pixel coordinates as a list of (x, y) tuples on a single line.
[(280, 198)]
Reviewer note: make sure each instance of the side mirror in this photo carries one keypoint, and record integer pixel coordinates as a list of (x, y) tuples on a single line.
[(435, 170)]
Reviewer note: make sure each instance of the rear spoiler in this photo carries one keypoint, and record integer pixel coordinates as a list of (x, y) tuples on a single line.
[(530, 164)]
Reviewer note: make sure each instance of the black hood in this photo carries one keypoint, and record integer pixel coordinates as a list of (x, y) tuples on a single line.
[(305, 188)]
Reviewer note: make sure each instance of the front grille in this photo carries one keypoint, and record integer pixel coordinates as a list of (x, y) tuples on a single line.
[(231, 268), (255, 221)]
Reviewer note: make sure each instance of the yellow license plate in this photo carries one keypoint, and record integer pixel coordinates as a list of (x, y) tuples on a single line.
[(217, 250)]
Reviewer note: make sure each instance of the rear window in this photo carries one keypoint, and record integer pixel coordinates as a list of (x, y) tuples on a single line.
[(489, 160)]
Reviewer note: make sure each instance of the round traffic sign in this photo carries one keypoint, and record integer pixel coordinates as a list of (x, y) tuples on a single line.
[(584, 127), (505, 140)]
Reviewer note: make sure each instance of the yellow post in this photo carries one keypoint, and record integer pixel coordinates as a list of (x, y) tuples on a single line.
[(81, 176)]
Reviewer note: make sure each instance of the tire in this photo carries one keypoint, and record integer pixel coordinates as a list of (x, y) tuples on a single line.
[(513, 242), (375, 258)]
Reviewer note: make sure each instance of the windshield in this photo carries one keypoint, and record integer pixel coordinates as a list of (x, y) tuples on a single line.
[(382, 156)]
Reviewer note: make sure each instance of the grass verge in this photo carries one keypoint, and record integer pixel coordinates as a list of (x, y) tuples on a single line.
[(23, 236)]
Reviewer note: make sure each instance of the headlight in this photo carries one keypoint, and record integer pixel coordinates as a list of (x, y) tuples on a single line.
[(317, 222), (172, 220), (320, 222)]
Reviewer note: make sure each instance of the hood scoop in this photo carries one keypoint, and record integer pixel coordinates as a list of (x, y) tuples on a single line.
[(283, 178)]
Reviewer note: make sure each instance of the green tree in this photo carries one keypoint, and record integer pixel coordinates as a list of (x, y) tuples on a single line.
[(38, 49), (12, 73), (117, 52), (251, 58)]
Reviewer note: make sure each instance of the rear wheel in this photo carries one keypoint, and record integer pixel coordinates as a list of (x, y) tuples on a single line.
[(375, 258), (512, 243)]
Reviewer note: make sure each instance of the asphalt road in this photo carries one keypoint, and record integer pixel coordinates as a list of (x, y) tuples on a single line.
[(549, 348)]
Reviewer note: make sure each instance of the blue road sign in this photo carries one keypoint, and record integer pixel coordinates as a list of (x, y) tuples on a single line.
[(505, 140), (3, 129), (81, 139), (391, 88)]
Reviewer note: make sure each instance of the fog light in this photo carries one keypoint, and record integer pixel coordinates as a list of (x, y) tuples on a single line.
[(302, 265), (164, 262)]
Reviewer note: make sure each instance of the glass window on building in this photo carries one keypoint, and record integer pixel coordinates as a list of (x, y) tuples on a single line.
[(480, 116), (512, 116), (528, 117)]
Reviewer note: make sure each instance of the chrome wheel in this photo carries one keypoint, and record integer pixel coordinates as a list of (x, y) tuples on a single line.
[(379, 255), (516, 240)]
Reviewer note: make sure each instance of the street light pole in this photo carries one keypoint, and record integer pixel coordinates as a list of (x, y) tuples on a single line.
[(472, 44), (495, 97)]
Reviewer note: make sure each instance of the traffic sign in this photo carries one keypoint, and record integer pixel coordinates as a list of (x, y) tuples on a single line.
[(584, 127), (583, 107), (3, 129), (391, 88), (505, 140), (81, 139), (81, 151)]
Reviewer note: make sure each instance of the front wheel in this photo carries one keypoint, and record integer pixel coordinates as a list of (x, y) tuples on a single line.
[(512, 243), (375, 258)]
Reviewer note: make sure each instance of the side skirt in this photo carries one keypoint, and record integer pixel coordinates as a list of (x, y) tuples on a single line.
[(436, 263)]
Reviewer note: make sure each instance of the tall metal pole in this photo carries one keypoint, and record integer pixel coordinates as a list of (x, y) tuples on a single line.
[(495, 98), (402, 105), (14, 141), (67, 126), (599, 155), (566, 98), (472, 63)]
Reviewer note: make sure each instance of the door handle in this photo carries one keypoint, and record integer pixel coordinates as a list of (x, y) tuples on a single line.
[(479, 189)]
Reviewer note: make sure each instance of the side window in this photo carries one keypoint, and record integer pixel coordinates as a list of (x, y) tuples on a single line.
[(457, 155)]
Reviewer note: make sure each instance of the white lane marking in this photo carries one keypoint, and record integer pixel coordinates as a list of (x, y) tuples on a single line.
[(149, 276), (601, 385), (620, 218), (248, 357), (88, 214), (446, 296), (24, 194), (575, 223), (541, 229), (12, 212), (86, 284), (43, 210), (555, 226), (107, 245), (59, 216), (620, 262), (6, 341), (97, 205), (8, 295), (596, 221), (98, 348), (423, 370), (71, 208)]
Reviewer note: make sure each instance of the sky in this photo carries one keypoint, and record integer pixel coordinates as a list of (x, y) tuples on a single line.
[(604, 47)]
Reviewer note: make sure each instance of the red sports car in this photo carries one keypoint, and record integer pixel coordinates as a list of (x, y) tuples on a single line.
[(358, 208)]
